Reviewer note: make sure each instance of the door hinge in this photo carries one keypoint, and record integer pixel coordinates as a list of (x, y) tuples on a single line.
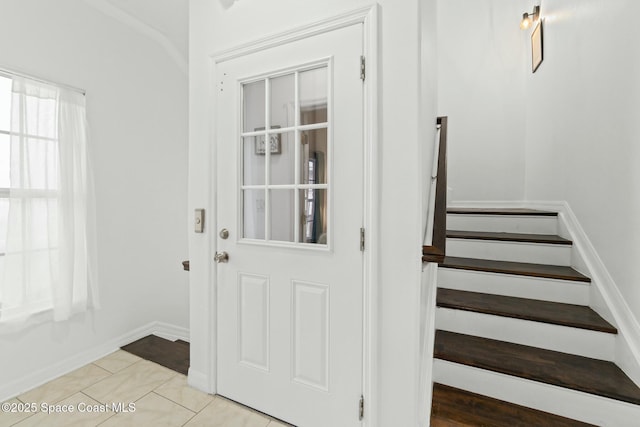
[(362, 239), (361, 408), (363, 68)]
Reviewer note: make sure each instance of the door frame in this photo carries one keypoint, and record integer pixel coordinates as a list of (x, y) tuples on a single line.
[(368, 17)]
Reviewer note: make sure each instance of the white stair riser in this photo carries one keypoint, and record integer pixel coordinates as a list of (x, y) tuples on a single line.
[(516, 286), (504, 223), (543, 397), (597, 345), (536, 253)]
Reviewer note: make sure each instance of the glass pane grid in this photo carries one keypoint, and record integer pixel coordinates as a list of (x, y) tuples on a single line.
[(286, 160), (253, 108), (253, 207)]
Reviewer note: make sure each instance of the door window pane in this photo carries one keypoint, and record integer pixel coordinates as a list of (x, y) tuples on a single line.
[(282, 106), (282, 212), (253, 163), (313, 96), (253, 106), (253, 207), (313, 156), (313, 216), (282, 158), (286, 155)]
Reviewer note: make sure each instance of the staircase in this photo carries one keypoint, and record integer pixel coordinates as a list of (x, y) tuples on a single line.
[(516, 343)]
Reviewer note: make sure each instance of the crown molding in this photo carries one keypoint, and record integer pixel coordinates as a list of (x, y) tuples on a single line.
[(114, 12)]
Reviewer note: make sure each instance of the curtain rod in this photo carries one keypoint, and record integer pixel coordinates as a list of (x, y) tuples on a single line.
[(41, 80)]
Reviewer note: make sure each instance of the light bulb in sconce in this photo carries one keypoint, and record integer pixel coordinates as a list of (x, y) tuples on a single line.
[(529, 18)]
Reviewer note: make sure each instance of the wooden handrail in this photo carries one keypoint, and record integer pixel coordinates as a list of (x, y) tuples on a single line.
[(436, 251)]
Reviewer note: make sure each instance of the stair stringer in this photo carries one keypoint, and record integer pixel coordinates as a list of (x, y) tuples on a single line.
[(605, 297)]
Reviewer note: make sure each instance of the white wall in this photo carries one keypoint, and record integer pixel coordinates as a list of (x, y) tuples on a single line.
[(566, 133), (481, 81), (137, 112), (583, 128), (428, 95), (214, 27)]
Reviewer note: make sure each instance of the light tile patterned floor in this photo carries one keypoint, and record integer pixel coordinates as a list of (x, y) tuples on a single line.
[(159, 397)]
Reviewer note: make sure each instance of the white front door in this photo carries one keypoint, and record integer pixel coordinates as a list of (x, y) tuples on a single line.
[(289, 156)]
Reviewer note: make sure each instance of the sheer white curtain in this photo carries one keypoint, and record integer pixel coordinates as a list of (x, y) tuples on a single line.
[(49, 266)]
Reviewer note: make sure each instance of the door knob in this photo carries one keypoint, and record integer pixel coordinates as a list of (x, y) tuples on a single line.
[(221, 257)]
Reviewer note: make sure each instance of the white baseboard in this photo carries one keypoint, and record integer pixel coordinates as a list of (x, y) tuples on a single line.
[(170, 332), (608, 294), (46, 374), (199, 380), (606, 297)]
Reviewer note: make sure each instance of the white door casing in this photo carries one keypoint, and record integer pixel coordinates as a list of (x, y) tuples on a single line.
[(290, 313)]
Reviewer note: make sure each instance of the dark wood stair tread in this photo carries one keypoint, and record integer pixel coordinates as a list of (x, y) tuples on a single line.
[(584, 374), (518, 268), (508, 237), (500, 211), (454, 407), (576, 316)]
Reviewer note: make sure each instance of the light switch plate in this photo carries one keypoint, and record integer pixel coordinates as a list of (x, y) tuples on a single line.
[(198, 221)]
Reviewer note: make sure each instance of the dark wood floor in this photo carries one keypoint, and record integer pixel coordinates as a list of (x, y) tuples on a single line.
[(170, 354)]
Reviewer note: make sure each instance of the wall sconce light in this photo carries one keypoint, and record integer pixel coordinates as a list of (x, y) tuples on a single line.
[(529, 18)]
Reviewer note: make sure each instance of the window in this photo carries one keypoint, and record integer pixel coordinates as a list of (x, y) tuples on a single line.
[(44, 254), (285, 150)]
